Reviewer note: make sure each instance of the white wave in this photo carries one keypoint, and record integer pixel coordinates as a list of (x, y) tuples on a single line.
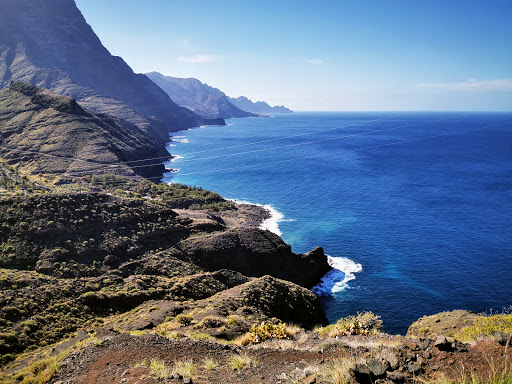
[(176, 157), (178, 137), (336, 280), (229, 125), (272, 223)]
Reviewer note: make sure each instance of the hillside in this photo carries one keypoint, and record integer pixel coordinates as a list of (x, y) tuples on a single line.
[(49, 44), (259, 107), (73, 255), (44, 132), (200, 98)]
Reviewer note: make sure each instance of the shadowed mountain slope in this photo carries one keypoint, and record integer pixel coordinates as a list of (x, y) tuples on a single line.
[(200, 98), (48, 43), (34, 121)]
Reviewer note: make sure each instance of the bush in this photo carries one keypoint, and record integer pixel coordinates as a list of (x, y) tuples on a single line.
[(184, 319), (365, 323), (265, 331)]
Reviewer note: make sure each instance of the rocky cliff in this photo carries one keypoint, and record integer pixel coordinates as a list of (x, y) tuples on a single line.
[(48, 43), (44, 132)]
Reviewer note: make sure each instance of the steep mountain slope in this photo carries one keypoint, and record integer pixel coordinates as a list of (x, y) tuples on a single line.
[(200, 98), (48, 43), (244, 103), (74, 140)]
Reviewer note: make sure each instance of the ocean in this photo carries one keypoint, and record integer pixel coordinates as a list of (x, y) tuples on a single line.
[(414, 209)]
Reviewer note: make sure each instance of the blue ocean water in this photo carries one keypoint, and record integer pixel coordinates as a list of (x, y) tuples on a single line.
[(414, 207)]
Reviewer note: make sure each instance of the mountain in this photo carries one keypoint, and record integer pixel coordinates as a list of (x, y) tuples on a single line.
[(44, 132), (48, 43), (261, 107), (200, 98)]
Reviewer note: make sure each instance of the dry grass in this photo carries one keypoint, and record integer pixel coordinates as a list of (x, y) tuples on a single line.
[(242, 361), (209, 364), (159, 369), (338, 372), (186, 368)]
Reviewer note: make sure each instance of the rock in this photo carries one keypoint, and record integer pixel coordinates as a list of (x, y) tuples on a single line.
[(187, 380), (501, 337), (255, 252), (376, 367), (397, 376), (309, 380), (423, 344), (442, 344), (390, 356), (459, 347)]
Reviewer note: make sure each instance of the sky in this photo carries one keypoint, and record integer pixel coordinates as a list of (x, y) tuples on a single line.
[(322, 55)]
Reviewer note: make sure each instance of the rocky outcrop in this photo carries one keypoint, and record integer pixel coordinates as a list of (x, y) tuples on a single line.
[(48, 43), (44, 132), (255, 252)]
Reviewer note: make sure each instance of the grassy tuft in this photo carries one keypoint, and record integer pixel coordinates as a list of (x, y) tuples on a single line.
[(186, 368), (210, 364), (242, 361), (159, 369), (338, 372)]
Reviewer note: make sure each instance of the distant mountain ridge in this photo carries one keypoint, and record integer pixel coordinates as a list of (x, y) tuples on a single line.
[(259, 107), (48, 43), (198, 97), (41, 131)]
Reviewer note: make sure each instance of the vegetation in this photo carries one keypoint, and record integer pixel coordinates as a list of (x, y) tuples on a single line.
[(338, 372), (364, 323), (242, 361), (275, 330), (485, 326), (159, 369)]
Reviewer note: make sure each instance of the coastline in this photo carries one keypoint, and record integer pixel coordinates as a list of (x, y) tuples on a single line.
[(262, 216)]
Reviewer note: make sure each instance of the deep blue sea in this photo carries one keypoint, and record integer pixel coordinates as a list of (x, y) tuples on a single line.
[(414, 208)]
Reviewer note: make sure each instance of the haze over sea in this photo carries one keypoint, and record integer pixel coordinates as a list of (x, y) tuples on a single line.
[(414, 207)]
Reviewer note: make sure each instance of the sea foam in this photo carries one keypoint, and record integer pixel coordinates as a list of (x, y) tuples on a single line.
[(336, 280), (176, 157), (272, 223)]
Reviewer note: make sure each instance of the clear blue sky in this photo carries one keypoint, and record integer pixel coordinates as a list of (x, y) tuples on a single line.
[(323, 54)]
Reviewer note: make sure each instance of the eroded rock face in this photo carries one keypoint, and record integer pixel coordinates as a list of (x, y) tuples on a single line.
[(254, 252)]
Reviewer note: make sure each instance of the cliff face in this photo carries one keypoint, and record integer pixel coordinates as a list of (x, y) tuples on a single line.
[(262, 107), (48, 43), (200, 98), (44, 132)]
